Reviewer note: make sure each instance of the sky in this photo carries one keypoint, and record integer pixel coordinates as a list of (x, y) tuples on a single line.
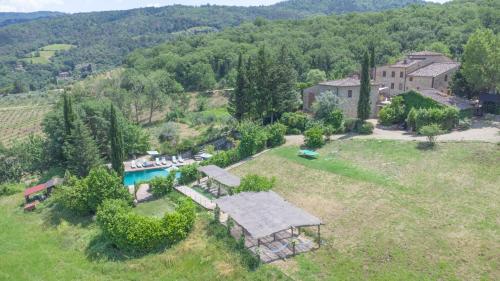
[(74, 6)]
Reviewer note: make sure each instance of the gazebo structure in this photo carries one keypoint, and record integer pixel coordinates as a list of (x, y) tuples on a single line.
[(44, 187), (222, 178), (271, 225)]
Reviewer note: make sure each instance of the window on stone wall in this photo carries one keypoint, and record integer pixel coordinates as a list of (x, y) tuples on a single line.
[(411, 79), (392, 85), (384, 73), (400, 86), (446, 78), (393, 74), (401, 74), (349, 93)]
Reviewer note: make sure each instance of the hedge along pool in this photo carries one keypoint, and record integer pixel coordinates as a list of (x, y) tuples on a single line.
[(131, 178)]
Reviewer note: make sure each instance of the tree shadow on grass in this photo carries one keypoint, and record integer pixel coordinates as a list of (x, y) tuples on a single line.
[(426, 146), (100, 248), (55, 214)]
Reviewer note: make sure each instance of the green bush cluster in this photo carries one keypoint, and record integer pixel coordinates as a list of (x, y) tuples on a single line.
[(295, 122), (255, 183), (366, 128), (160, 186), (134, 233), (336, 121), (188, 173), (276, 134), (446, 117), (223, 158), (393, 113), (253, 139), (7, 189), (83, 196), (314, 137)]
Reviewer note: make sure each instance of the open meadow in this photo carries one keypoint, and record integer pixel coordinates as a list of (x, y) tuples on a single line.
[(44, 54), (391, 211)]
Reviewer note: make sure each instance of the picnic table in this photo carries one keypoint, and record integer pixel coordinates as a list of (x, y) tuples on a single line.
[(308, 153)]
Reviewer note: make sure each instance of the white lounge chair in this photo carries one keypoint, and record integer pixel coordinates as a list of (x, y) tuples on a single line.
[(133, 165), (180, 159), (174, 160), (158, 163), (139, 165), (163, 161)]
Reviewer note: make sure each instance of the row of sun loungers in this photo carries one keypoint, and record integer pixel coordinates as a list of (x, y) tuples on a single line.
[(158, 162)]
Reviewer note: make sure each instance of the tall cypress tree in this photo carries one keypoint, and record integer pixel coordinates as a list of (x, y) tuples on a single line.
[(262, 83), (116, 139), (69, 116), (238, 100), (80, 150), (284, 96), (372, 56), (364, 95)]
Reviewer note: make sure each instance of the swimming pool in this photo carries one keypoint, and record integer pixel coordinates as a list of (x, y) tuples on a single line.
[(131, 178)]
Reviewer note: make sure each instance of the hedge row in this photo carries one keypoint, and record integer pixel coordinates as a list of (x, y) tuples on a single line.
[(447, 118), (133, 233)]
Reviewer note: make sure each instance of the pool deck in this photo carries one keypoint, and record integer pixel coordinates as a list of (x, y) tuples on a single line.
[(128, 165)]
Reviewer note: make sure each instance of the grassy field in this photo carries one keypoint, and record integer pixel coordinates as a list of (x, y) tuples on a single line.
[(392, 211), (47, 245), (22, 114), (46, 53)]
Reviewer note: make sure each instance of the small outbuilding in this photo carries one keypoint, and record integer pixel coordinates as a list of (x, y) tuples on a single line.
[(270, 224)]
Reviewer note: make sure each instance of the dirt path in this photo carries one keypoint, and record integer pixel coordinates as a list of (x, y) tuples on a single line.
[(485, 131)]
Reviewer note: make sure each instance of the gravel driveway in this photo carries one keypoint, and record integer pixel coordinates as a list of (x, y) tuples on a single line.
[(481, 130)]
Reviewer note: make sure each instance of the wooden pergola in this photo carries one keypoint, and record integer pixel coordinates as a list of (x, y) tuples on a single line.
[(223, 178), (271, 225)]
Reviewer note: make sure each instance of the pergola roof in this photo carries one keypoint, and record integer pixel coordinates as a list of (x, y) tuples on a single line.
[(264, 213), (35, 189), (220, 175)]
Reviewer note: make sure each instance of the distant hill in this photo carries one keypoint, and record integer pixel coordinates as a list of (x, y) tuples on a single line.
[(105, 38), (13, 18)]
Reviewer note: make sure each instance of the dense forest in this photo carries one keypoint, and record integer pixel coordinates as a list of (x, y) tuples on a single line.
[(333, 44), (103, 39), (12, 18)]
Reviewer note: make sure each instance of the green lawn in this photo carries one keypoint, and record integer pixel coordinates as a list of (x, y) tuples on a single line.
[(392, 211)]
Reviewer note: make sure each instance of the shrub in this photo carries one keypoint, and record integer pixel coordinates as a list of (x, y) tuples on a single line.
[(314, 137), (139, 234), (189, 174), (295, 122), (255, 183), (325, 103), (350, 124), (253, 139), (431, 132), (83, 196), (411, 119), (335, 120), (160, 186), (276, 134), (393, 113), (223, 158), (464, 124), (366, 128), (7, 189), (447, 118)]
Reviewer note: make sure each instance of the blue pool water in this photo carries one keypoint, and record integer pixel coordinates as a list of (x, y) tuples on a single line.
[(131, 178)]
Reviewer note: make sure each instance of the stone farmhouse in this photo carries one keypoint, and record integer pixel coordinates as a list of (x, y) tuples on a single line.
[(418, 71), (426, 72), (347, 90)]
